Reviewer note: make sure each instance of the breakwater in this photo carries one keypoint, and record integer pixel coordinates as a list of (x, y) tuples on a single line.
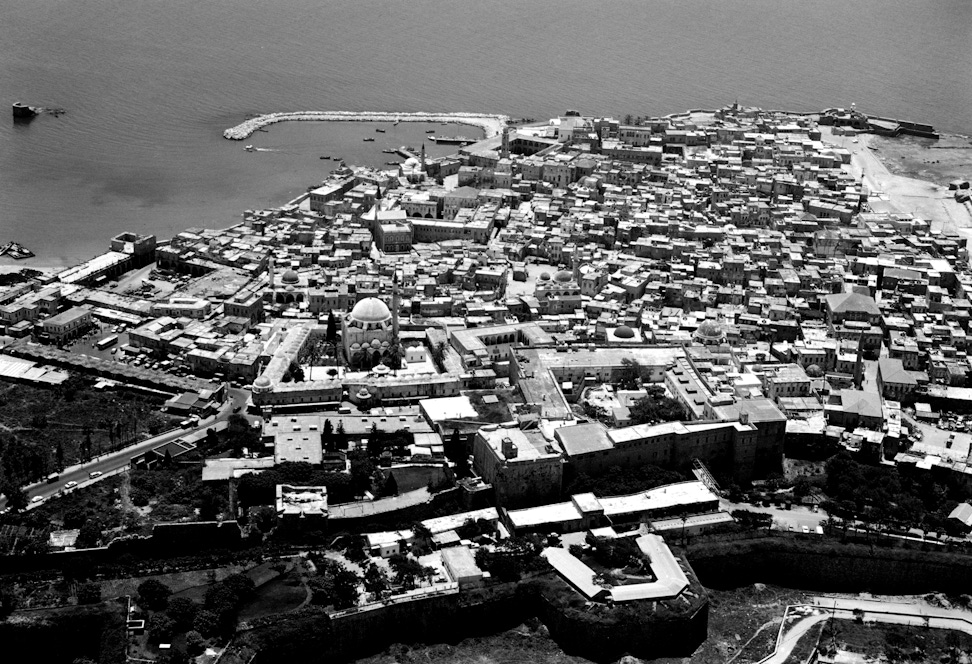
[(491, 124)]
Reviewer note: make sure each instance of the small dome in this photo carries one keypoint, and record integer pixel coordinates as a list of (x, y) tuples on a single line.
[(709, 329), (624, 332), (564, 276), (544, 276), (262, 381), (290, 277), (370, 310), (814, 371)]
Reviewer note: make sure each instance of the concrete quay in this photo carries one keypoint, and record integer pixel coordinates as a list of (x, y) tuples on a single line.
[(491, 124)]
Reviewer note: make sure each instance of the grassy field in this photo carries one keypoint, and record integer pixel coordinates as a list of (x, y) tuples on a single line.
[(896, 642), (735, 617), (515, 646), (284, 593), (34, 421)]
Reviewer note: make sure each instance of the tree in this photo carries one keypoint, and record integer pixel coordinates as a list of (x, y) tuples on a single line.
[(183, 611), (89, 593), (656, 407), (331, 335), (334, 584), (630, 375), (195, 643), (376, 581), (406, 569), (391, 486), (90, 534), (8, 602), (296, 372), (455, 451), (17, 499), (59, 455), (160, 628), (376, 442), (257, 489), (265, 518), (327, 435), (206, 623), (153, 594)]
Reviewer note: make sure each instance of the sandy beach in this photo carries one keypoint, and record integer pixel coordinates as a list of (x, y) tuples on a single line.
[(928, 200)]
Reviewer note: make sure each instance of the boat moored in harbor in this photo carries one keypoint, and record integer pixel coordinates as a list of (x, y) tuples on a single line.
[(451, 140)]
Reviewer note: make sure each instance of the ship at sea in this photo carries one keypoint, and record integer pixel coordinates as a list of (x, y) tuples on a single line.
[(16, 250), (23, 110), (451, 140)]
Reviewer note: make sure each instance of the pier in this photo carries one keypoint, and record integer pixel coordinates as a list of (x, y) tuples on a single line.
[(491, 124)]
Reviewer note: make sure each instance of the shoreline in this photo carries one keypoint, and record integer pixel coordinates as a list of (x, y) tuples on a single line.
[(492, 125)]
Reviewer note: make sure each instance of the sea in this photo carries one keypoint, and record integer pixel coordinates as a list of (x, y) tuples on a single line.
[(148, 86)]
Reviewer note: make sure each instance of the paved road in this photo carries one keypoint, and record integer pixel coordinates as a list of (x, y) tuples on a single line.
[(882, 611), (798, 517), (111, 462)]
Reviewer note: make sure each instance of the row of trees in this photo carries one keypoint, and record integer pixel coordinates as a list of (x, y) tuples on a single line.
[(889, 497)]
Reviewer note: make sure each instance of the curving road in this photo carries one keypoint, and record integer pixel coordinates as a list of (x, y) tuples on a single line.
[(108, 464)]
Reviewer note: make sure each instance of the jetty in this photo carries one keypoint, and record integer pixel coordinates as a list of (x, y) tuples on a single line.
[(492, 125)]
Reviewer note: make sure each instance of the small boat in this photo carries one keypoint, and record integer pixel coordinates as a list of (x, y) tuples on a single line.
[(430, 131), (16, 251), (369, 140), (23, 110), (380, 131), (390, 151), (249, 148), (397, 120), (325, 156), (393, 163)]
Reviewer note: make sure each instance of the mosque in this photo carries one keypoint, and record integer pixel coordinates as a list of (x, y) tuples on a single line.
[(369, 332)]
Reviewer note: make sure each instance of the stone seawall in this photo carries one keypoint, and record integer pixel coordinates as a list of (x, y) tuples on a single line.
[(491, 124)]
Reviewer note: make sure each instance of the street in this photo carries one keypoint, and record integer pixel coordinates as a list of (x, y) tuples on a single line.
[(108, 463), (798, 517)]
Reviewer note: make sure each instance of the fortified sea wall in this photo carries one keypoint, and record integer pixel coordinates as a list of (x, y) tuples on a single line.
[(829, 566), (491, 124)]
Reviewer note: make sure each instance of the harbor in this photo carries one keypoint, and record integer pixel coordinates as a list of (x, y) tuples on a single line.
[(491, 124)]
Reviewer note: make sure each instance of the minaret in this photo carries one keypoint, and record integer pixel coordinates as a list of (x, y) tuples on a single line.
[(859, 365), (423, 157), (270, 270), (505, 146), (396, 305)]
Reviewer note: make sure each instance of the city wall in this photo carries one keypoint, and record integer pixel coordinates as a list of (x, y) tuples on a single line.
[(829, 566)]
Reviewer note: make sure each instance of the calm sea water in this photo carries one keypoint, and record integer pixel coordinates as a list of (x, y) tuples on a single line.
[(150, 85)]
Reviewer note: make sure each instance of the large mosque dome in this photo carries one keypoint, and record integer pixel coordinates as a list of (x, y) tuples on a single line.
[(370, 310)]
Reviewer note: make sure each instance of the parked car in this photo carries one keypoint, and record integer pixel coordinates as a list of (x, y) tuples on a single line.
[(95, 473), (70, 485)]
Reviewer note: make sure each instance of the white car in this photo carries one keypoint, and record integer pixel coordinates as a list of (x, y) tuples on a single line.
[(94, 474), (70, 485), (36, 499)]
